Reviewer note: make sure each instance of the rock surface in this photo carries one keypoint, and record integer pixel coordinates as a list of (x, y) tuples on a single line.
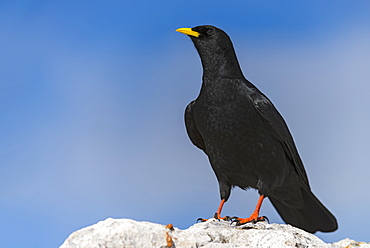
[(124, 233)]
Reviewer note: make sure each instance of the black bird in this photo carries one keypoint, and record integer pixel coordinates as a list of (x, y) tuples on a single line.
[(246, 139)]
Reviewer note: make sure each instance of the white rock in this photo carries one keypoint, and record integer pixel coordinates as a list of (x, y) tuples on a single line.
[(126, 233), (349, 243)]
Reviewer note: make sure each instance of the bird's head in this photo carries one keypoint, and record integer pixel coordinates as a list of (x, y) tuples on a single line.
[(207, 37), (215, 49)]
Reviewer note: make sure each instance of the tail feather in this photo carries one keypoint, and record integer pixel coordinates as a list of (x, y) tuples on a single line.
[(313, 217)]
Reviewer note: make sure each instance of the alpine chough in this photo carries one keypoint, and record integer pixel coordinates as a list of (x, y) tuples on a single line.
[(246, 139)]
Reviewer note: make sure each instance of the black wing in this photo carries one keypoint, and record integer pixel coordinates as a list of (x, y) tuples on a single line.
[(193, 133), (279, 130)]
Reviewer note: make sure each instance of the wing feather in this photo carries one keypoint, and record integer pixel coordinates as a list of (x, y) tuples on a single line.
[(193, 133), (279, 129)]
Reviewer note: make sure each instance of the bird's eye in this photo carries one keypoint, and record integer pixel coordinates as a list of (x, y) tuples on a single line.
[(210, 31)]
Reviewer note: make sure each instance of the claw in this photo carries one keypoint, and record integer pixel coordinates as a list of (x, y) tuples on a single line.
[(201, 220), (216, 216), (227, 218), (235, 220), (264, 218), (239, 221)]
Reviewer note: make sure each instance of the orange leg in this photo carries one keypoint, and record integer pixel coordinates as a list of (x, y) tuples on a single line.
[(254, 216), (218, 213)]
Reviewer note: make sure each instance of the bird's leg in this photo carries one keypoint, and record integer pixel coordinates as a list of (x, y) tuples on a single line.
[(218, 213), (254, 216)]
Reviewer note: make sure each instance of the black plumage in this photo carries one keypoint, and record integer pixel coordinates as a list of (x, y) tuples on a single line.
[(246, 139)]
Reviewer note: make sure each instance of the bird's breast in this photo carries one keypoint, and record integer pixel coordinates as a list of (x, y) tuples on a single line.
[(226, 116)]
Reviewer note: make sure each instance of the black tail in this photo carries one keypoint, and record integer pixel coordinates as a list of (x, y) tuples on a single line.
[(312, 217)]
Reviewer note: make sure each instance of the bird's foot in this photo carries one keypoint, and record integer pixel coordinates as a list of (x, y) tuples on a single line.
[(216, 216), (254, 218)]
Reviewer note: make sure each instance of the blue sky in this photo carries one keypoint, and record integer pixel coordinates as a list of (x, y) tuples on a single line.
[(92, 95)]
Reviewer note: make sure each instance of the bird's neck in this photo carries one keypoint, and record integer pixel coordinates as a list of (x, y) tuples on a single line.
[(223, 65)]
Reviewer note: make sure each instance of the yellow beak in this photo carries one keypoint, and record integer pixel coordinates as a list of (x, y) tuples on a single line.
[(188, 31)]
